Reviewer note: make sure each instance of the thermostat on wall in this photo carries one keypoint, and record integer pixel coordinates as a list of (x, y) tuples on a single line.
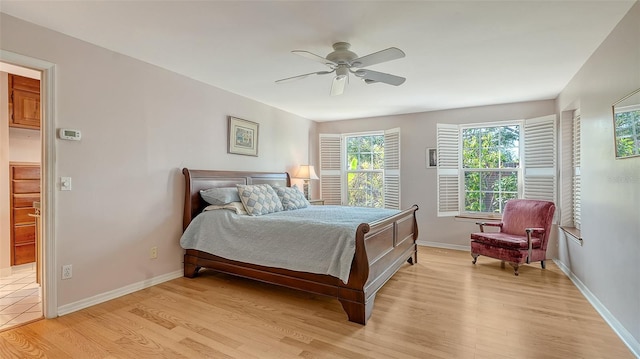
[(68, 134)]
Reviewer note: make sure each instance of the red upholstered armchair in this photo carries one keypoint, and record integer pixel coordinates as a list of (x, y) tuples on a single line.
[(523, 236)]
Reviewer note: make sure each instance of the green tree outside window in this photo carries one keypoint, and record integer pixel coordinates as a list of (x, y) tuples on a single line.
[(627, 133), (365, 166), (491, 158)]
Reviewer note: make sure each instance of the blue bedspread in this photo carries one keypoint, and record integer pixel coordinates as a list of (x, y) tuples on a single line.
[(316, 239)]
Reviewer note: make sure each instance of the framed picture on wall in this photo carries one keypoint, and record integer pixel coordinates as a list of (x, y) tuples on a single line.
[(432, 158), (243, 137)]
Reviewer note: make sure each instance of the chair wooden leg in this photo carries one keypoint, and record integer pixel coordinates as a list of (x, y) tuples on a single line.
[(543, 265), (515, 268), (475, 257)]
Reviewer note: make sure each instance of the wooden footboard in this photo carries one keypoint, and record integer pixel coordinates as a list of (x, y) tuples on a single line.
[(382, 247)]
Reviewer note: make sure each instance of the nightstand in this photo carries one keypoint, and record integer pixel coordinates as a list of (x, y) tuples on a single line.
[(316, 202)]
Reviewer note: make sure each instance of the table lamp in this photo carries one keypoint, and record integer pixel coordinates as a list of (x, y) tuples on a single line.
[(306, 173)]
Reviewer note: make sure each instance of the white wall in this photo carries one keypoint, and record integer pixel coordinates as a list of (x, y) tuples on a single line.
[(24, 145), (140, 125), (608, 262), (418, 186)]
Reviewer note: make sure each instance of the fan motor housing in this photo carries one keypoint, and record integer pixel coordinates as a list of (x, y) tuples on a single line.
[(341, 53)]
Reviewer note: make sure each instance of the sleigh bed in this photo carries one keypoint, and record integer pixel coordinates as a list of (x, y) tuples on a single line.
[(381, 248)]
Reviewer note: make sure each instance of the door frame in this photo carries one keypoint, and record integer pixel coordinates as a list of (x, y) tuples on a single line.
[(48, 193)]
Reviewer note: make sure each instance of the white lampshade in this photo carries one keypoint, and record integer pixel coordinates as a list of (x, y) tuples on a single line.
[(306, 172)]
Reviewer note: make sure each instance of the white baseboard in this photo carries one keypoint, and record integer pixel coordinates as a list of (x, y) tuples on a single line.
[(443, 245), (100, 298), (624, 334)]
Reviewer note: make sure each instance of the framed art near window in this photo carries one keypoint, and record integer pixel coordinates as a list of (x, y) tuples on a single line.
[(432, 158), (243, 137)]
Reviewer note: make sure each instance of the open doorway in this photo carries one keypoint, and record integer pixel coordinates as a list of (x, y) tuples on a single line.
[(47, 194), (20, 167)]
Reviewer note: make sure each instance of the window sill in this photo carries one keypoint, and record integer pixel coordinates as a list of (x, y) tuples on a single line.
[(479, 216), (573, 233)]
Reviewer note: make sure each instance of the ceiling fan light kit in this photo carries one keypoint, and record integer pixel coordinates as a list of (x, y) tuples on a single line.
[(342, 71), (343, 61)]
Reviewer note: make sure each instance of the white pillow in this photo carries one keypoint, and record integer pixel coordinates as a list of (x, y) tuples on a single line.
[(237, 207), (220, 196)]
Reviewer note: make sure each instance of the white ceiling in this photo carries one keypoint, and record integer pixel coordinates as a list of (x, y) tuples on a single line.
[(458, 54)]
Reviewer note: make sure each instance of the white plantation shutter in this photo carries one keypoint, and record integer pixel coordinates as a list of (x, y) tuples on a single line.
[(576, 172), (540, 158), (331, 168), (392, 168), (448, 149), (566, 172)]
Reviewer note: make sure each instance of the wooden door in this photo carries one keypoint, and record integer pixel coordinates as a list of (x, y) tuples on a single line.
[(24, 102), (24, 186)]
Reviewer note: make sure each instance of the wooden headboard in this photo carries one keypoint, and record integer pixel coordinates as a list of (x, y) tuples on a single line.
[(196, 180)]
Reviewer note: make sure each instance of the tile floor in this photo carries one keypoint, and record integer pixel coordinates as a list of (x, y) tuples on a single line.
[(20, 299)]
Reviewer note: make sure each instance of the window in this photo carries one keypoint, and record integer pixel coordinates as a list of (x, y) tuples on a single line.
[(481, 166), (365, 170), (361, 169), (490, 167)]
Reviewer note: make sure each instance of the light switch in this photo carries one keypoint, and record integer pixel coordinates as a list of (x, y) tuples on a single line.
[(65, 183)]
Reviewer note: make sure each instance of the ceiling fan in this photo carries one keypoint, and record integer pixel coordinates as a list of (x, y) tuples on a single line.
[(342, 61)]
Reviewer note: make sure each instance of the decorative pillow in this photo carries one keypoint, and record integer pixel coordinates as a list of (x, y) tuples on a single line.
[(259, 199), (220, 196), (291, 197)]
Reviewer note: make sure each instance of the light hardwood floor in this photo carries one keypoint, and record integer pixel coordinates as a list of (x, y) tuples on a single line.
[(442, 307)]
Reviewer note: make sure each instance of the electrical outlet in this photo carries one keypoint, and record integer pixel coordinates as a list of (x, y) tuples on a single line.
[(153, 252), (65, 183), (67, 271)]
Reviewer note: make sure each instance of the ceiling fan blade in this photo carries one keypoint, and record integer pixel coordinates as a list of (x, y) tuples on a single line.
[(389, 54), (370, 76), (338, 85), (314, 57), (288, 79)]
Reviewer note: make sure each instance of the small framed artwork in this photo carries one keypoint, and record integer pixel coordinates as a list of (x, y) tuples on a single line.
[(243, 137), (432, 158)]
